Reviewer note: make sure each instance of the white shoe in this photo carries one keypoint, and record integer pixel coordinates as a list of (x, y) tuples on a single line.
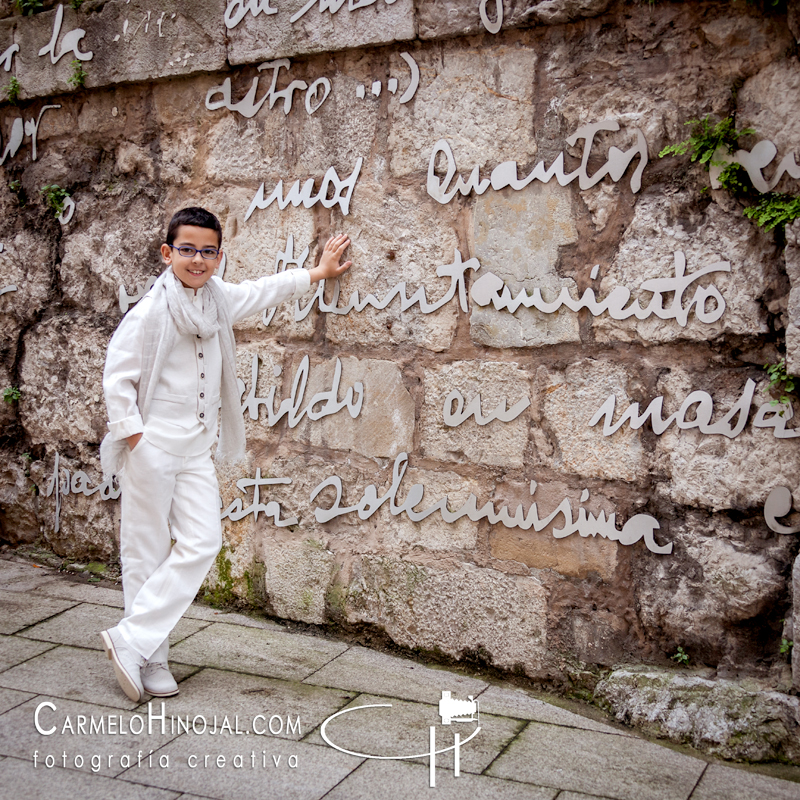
[(127, 663), (157, 680)]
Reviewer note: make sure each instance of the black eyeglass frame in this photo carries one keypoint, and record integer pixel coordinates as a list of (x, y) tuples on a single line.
[(203, 251)]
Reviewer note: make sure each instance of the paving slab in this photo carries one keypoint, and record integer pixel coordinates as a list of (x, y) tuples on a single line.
[(70, 673), (402, 780), (14, 650), (81, 625), (364, 670), (253, 701), (256, 777), (18, 610), (619, 767), (83, 593), (19, 779), (404, 730), (10, 698), (232, 618), (109, 735), (727, 783), (517, 703), (12, 572), (272, 654)]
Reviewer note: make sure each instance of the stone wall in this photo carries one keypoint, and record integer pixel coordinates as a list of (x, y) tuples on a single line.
[(665, 544)]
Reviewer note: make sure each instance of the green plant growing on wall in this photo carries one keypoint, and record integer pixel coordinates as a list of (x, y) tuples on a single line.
[(705, 139), (786, 646), (76, 4), (11, 394), (780, 382), (77, 80), (681, 657), (774, 210), (29, 7), (12, 90), (54, 197)]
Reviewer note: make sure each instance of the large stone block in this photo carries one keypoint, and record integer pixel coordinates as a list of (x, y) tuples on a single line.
[(19, 504), (575, 556), (518, 236), (113, 245), (396, 239), (767, 101), (488, 118), (253, 249), (720, 582), (384, 426), (128, 42), (75, 524), (720, 717), (61, 381), (714, 471), (26, 261), (462, 611), (445, 18), (298, 574), (659, 230), (402, 535), (570, 399), (495, 443), (316, 28)]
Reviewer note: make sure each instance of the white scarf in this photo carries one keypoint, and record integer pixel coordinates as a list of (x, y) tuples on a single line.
[(172, 314)]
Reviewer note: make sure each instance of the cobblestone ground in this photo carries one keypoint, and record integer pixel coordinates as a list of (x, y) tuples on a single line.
[(264, 713)]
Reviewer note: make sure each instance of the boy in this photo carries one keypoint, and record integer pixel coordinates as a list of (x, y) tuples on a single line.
[(170, 367)]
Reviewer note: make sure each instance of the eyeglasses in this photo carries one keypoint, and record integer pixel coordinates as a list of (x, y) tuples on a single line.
[(189, 252)]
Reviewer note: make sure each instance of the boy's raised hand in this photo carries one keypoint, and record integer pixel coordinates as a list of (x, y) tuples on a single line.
[(329, 266)]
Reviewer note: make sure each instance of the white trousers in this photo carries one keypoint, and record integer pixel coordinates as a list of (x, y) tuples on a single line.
[(165, 498)]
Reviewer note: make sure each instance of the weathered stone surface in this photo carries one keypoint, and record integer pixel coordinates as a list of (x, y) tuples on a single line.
[(503, 617), (61, 381), (396, 237), (128, 42), (792, 258), (576, 555), (722, 578), (497, 443), (19, 519), (102, 256), (767, 101), (713, 471), (274, 35), (657, 231), (25, 262), (487, 120), (457, 17), (74, 524), (570, 399), (384, 426), (297, 579), (518, 236), (400, 534), (717, 716)]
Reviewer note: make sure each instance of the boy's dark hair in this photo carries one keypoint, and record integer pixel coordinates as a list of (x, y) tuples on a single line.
[(196, 216)]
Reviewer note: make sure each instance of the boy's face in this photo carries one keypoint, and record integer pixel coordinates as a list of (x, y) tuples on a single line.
[(192, 271)]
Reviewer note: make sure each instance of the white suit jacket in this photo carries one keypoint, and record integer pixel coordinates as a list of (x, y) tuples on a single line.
[(183, 415)]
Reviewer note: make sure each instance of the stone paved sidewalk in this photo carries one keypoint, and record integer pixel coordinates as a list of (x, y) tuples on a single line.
[(254, 699)]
